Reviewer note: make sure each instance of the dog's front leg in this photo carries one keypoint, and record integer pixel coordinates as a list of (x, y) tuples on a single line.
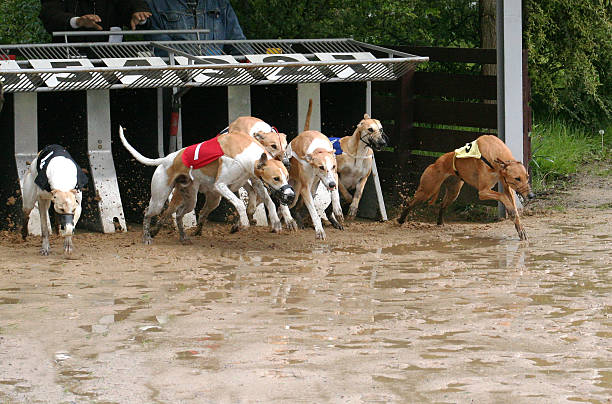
[(335, 200), (345, 193), (356, 198), (275, 223), (509, 203), (253, 202), (513, 213), (316, 220), (43, 208), (238, 204), (289, 220)]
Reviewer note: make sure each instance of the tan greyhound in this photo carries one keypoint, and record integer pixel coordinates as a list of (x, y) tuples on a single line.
[(487, 161), (354, 156)]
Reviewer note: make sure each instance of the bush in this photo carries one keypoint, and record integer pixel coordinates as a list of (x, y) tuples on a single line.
[(570, 58), (20, 22), (561, 148)]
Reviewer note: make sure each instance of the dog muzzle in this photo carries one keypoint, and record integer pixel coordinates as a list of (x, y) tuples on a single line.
[(285, 195), (286, 162), (66, 223), (379, 144)]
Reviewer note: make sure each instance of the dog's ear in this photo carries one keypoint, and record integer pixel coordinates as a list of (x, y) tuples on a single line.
[(502, 163), (262, 161), (74, 191), (258, 136), (308, 157), (366, 116)]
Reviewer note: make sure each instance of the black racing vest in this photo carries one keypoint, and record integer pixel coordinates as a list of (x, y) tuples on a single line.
[(45, 156)]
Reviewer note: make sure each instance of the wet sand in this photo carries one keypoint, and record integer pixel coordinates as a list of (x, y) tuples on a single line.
[(377, 313)]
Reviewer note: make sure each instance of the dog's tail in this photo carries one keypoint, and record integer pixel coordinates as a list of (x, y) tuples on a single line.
[(141, 159), (307, 123)]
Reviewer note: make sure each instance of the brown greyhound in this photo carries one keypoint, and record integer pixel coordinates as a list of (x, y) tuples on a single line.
[(494, 164)]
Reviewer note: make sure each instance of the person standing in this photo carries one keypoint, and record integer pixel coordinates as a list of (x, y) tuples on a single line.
[(89, 15), (218, 16)]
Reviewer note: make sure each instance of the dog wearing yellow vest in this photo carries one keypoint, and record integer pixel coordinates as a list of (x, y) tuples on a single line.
[(482, 164)]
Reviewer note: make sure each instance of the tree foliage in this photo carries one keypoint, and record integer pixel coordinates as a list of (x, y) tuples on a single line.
[(570, 63), (19, 22)]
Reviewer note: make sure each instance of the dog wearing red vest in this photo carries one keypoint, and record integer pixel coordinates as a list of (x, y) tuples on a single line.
[(228, 161), (271, 139)]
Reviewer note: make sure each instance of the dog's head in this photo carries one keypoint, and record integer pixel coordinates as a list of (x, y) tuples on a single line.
[(275, 177), (516, 177), (65, 204), (371, 133), (324, 163), (275, 143)]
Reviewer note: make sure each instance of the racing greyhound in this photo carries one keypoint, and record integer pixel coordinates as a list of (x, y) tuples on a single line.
[(354, 156), (482, 164), (235, 158), (313, 161), (55, 177), (271, 139)]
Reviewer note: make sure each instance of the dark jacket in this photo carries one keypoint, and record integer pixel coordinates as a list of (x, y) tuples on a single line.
[(45, 156), (56, 15)]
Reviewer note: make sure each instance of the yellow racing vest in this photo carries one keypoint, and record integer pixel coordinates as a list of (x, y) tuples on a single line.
[(470, 150)]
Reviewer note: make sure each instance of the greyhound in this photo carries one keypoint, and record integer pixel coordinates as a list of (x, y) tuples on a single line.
[(482, 164), (237, 158), (354, 156), (313, 161), (55, 177)]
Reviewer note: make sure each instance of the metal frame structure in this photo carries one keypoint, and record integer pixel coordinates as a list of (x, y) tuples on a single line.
[(101, 66)]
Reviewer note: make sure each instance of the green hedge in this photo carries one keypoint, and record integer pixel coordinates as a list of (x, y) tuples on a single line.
[(19, 22)]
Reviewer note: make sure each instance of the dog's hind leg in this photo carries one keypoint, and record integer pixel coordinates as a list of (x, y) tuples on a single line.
[(453, 187), (212, 201), (28, 202), (428, 190), (189, 195), (43, 208), (160, 191)]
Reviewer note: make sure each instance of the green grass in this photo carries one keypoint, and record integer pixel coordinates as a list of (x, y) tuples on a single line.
[(560, 149)]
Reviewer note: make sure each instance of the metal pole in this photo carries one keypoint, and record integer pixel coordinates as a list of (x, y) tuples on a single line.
[(379, 195), (510, 81)]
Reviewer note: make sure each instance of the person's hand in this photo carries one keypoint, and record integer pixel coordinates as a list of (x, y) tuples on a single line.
[(138, 18), (89, 21)]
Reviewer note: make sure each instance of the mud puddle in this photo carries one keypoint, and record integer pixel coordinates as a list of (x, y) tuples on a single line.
[(377, 313)]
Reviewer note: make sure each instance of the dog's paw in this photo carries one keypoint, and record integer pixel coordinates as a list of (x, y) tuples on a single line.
[(44, 252), (320, 234), (276, 227), (186, 241), (352, 213), (147, 240), (238, 227), (292, 225)]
